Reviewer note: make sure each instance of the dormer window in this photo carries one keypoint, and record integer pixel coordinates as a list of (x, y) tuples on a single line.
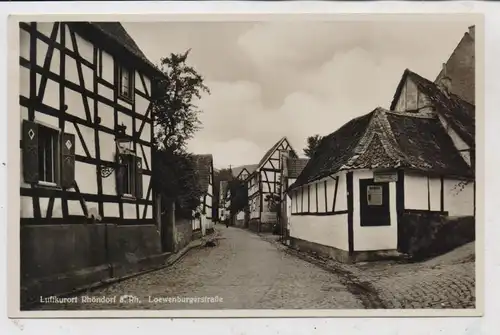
[(125, 84)]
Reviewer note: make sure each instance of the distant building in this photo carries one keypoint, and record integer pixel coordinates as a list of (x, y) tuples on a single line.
[(223, 212), (239, 173), (205, 170)]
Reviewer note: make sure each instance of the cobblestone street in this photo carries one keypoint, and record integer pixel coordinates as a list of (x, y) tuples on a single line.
[(446, 281), (243, 270)]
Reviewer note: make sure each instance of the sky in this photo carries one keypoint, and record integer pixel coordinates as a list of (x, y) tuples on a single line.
[(294, 79)]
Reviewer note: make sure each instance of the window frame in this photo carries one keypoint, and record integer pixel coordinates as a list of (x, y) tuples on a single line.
[(57, 157), (129, 159), (130, 86)]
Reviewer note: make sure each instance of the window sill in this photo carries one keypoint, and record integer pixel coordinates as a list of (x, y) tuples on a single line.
[(128, 196), (46, 184), (125, 98)]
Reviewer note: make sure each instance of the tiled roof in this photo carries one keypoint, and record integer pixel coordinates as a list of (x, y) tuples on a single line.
[(112, 35), (460, 67), (295, 166), (383, 139), (203, 165), (457, 112)]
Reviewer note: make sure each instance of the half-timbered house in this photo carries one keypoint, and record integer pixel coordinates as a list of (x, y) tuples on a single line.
[(240, 173), (203, 223), (86, 140), (356, 196), (223, 188), (351, 199), (264, 186)]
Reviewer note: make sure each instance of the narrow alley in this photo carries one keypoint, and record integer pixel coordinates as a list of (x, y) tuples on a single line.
[(241, 272)]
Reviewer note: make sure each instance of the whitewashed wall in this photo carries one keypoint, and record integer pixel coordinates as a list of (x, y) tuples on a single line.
[(255, 207), (458, 201), (373, 238), (240, 216), (300, 202), (85, 174), (328, 230), (416, 192)]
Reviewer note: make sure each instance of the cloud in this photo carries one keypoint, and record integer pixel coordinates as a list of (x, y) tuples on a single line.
[(295, 79)]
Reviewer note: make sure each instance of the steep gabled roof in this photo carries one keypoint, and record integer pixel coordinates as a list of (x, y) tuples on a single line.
[(118, 32), (270, 152), (460, 67), (295, 166), (236, 171), (203, 165), (457, 112), (382, 139), (113, 36)]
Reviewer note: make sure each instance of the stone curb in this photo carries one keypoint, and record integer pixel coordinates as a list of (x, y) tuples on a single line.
[(171, 259)]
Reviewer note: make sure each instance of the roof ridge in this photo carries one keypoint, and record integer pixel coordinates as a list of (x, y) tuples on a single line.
[(362, 141)]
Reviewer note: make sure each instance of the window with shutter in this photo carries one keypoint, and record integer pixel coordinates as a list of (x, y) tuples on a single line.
[(138, 177), (42, 154), (30, 152), (68, 160)]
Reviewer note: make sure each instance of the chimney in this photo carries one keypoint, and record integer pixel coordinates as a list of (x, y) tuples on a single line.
[(445, 81), (472, 32)]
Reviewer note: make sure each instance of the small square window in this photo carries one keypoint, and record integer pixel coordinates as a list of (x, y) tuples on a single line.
[(374, 195), (125, 83)]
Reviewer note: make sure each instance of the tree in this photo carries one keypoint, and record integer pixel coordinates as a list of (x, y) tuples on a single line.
[(176, 121), (239, 196), (176, 179), (312, 144), (176, 114)]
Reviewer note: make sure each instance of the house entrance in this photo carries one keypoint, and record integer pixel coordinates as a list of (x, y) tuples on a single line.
[(374, 203)]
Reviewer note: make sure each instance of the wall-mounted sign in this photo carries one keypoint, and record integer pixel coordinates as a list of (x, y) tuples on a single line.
[(374, 195), (385, 177)]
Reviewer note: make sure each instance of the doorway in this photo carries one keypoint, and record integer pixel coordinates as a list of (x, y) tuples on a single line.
[(374, 203)]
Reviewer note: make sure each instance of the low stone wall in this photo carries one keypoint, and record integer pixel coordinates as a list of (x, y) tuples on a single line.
[(183, 233), (424, 235), (57, 259), (257, 226), (239, 223), (196, 235), (253, 225)]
